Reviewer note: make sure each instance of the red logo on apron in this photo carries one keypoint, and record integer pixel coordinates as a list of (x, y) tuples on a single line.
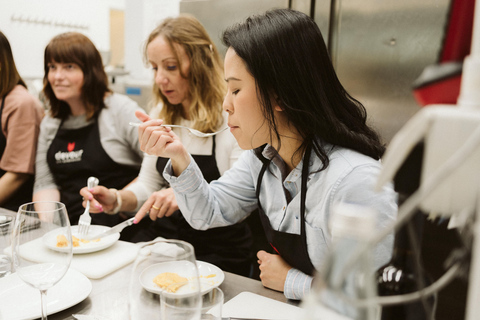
[(71, 146)]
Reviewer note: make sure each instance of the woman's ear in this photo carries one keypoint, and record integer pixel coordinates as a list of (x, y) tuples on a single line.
[(276, 104)]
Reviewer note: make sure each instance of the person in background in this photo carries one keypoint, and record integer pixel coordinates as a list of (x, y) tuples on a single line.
[(308, 143), (20, 117), (189, 90), (85, 132)]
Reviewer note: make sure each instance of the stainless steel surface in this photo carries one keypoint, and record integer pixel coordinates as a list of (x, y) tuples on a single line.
[(381, 48), (322, 16), (334, 29), (117, 228), (301, 5), (216, 15)]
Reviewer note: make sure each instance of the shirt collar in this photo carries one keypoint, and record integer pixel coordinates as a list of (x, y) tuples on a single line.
[(315, 164)]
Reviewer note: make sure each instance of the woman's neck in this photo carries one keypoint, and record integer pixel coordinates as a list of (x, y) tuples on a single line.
[(288, 152), (186, 110), (290, 142), (77, 107)]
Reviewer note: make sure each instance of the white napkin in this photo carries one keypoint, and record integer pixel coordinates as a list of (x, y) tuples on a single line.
[(167, 249), (260, 307), (160, 248)]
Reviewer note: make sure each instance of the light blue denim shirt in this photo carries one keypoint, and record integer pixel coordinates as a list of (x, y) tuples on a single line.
[(350, 177)]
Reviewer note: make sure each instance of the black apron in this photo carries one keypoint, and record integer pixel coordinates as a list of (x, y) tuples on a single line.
[(229, 248), (76, 154), (291, 247), (25, 192)]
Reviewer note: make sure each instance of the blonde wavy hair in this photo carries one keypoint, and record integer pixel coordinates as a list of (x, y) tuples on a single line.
[(207, 86)]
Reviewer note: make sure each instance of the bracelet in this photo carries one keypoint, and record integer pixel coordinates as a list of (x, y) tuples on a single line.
[(118, 201)]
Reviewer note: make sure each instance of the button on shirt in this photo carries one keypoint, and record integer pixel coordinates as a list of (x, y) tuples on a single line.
[(350, 177)]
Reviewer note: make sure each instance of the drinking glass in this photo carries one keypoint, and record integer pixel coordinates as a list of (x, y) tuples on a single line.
[(212, 303), (163, 266), (6, 227), (53, 218), (183, 307)]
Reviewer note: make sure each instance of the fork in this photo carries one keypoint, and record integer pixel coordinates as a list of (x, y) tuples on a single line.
[(85, 219), (193, 131)]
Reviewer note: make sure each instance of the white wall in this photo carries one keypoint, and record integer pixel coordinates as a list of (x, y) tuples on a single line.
[(30, 24)]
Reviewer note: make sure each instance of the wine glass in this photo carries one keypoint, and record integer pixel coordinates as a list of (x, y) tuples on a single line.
[(6, 227), (53, 218), (166, 266)]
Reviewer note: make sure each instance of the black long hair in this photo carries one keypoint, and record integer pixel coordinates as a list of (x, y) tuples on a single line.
[(284, 51)]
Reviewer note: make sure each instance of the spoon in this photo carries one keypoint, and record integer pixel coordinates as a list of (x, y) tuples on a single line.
[(193, 131)]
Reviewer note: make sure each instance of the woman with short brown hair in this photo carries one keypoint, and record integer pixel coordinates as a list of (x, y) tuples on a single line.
[(85, 132)]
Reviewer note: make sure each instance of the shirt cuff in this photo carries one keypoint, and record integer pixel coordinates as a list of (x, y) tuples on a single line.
[(297, 284), (190, 179)]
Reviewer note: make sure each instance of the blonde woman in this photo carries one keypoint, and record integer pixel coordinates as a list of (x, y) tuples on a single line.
[(189, 90)]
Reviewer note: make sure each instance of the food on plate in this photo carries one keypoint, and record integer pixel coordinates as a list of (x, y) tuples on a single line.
[(209, 276), (62, 241), (75, 241), (170, 281)]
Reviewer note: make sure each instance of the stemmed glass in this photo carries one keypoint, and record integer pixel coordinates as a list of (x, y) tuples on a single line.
[(164, 267), (53, 217), (6, 227), (182, 308)]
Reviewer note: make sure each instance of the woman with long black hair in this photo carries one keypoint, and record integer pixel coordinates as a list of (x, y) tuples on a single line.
[(310, 148)]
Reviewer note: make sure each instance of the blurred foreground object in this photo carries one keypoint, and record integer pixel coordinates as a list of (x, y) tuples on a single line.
[(440, 82), (450, 170), (352, 228), (448, 185)]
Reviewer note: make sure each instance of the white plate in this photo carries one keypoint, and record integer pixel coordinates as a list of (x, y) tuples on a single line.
[(50, 240), (211, 276), (20, 301)]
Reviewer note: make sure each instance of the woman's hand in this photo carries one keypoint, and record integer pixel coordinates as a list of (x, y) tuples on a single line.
[(162, 142), (101, 199), (273, 270), (160, 204)]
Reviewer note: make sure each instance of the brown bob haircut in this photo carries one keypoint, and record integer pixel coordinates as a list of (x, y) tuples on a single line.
[(74, 47), (9, 76)]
